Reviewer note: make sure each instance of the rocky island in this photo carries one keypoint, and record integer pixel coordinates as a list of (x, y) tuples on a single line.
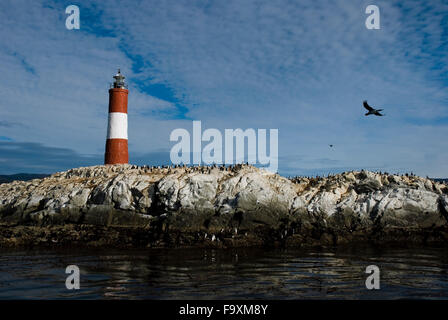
[(241, 205)]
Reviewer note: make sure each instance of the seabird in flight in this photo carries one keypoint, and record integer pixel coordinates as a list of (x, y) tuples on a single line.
[(372, 110)]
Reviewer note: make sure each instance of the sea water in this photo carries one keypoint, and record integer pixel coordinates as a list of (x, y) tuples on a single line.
[(324, 273)]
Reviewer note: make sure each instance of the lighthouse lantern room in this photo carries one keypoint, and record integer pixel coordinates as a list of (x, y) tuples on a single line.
[(119, 81)]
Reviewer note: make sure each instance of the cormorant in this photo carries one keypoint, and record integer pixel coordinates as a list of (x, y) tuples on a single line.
[(372, 110)]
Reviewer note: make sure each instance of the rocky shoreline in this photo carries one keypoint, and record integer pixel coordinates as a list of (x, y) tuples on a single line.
[(132, 206)]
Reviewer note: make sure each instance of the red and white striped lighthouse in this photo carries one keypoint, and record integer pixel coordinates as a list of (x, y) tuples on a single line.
[(117, 130)]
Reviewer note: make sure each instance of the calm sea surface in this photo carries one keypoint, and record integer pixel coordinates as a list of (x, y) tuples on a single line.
[(225, 274)]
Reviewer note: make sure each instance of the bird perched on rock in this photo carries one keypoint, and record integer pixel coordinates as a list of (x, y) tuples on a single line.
[(372, 110)]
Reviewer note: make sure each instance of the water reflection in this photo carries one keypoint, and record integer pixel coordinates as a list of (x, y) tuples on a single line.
[(226, 274)]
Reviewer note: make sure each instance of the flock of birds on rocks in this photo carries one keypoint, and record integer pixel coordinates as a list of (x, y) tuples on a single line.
[(171, 168), (317, 178), (227, 168), (196, 168)]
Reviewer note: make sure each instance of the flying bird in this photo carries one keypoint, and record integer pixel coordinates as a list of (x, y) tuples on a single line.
[(331, 146), (372, 110)]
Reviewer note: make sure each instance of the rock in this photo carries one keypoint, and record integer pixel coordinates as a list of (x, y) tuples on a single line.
[(177, 206)]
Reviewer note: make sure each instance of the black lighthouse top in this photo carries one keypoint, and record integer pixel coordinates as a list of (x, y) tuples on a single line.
[(119, 81)]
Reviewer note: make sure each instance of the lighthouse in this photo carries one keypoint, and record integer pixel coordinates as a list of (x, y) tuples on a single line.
[(117, 129)]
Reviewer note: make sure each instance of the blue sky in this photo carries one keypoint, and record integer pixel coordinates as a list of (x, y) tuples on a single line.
[(302, 67)]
